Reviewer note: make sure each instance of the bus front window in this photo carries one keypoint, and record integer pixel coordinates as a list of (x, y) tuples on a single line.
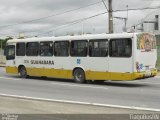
[(10, 52)]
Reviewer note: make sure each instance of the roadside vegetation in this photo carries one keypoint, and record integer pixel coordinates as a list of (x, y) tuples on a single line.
[(3, 42), (158, 57)]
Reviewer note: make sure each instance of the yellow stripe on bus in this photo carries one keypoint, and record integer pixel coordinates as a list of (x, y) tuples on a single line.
[(90, 75), (57, 73), (13, 70)]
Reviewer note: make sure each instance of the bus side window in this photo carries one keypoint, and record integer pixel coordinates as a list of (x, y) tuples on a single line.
[(20, 49), (120, 47), (79, 48), (98, 48), (127, 50), (46, 49), (61, 48), (32, 48)]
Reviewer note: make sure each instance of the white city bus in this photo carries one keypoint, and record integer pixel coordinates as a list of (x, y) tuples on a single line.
[(124, 56)]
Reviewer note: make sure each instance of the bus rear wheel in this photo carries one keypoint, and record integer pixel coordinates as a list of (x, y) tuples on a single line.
[(23, 72), (79, 76)]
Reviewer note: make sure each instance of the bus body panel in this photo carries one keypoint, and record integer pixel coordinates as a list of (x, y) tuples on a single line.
[(98, 68), (120, 68), (95, 68), (146, 56)]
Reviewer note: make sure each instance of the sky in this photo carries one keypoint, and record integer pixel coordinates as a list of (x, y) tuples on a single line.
[(16, 16)]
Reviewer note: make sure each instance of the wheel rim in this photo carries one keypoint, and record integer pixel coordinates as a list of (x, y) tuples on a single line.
[(79, 76), (23, 72)]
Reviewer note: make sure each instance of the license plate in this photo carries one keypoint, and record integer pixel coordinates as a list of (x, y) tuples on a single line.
[(148, 73), (147, 67)]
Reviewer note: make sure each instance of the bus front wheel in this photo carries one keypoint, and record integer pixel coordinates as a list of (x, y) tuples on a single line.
[(23, 72), (79, 76)]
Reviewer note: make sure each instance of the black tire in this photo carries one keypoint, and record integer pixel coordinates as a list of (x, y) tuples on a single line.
[(79, 76), (23, 72), (89, 81), (99, 81)]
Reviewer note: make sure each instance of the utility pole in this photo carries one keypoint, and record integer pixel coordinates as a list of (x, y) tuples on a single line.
[(110, 16), (127, 16)]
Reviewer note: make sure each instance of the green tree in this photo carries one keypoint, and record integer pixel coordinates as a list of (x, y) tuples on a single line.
[(3, 42)]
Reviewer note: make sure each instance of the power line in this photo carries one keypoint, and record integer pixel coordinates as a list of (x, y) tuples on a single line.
[(69, 23), (53, 15), (133, 9), (155, 7), (61, 13), (83, 19), (105, 5), (140, 23), (72, 23)]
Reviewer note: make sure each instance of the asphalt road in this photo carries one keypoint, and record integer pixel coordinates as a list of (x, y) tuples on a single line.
[(140, 94)]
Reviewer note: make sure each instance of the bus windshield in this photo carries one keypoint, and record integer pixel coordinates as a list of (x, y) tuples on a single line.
[(10, 52)]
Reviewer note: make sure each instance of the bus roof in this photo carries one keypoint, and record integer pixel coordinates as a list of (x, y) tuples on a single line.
[(76, 37)]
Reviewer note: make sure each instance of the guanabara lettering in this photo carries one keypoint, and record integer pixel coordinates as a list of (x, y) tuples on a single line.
[(49, 62)]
